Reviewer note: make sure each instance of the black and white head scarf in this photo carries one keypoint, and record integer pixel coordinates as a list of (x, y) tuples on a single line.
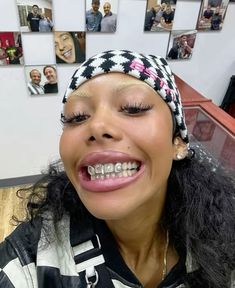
[(151, 69)]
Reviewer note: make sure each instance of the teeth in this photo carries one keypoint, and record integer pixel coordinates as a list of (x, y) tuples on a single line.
[(124, 166), (118, 167), (99, 169), (108, 168), (102, 171)]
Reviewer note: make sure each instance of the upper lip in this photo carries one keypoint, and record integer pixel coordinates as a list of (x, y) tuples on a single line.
[(106, 157)]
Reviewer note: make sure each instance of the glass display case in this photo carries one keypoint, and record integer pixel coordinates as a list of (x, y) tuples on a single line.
[(209, 137), (211, 130)]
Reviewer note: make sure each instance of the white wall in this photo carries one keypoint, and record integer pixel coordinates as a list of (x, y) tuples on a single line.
[(29, 126)]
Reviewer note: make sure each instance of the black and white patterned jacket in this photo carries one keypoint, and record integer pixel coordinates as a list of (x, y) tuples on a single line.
[(79, 255)]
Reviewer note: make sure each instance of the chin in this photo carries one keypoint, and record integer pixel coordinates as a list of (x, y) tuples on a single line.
[(108, 211)]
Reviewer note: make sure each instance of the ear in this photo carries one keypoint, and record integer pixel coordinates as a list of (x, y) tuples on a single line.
[(180, 149)]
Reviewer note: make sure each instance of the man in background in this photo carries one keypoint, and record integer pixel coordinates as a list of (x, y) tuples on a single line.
[(167, 17), (94, 17), (34, 86), (109, 21), (181, 49), (50, 73), (208, 13), (33, 19), (149, 19)]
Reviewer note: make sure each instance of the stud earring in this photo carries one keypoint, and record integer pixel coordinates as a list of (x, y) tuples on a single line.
[(179, 156)]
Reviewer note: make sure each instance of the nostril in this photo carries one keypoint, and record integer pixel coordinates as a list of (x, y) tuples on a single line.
[(107, 135), (92, 138)]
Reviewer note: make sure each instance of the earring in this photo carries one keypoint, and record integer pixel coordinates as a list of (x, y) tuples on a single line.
[(179, 156)]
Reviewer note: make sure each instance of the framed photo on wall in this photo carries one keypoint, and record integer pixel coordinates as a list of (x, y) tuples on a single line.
[(101, 16), (70, 47), (159, 15), (181, 44), (41, 79), (35, 16), (11, 51), (212, 14)]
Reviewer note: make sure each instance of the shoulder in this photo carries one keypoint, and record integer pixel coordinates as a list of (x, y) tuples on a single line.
[(18, 254)]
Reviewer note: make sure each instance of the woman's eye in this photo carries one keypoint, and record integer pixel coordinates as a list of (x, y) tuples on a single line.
[(74, 119), (135, 108)]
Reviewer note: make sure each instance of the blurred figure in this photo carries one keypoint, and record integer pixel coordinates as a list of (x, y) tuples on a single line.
[(149, 19), (167, 18), (216, 20), (13, 53), (94, 17), (208, 13), (215, 3), (33, 19), (50, 73), (3, 54), (157, 18), (68, 48), (34, 86), (181, 49), (45, 24), (109, 21)]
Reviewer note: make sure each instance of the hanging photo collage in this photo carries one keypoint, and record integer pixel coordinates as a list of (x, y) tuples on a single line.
[(159, 17), (36, 17)]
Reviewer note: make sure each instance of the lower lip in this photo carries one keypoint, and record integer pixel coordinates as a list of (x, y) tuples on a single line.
[(109, 184)]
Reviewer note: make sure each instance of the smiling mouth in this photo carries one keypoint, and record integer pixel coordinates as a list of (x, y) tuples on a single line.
[(67, 53), (112, 170)]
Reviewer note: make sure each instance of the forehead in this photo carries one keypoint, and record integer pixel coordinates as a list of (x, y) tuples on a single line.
[(35, 72), (113, 82), (62, 34), (49, 69)]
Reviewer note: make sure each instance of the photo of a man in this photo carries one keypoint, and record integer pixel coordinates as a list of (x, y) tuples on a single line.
[(35, 15)]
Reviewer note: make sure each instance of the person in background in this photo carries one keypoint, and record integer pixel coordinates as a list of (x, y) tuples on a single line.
[(68, 48), (34, 86), (13, 52), (127, 206), (216, 19), (51, 75), (167, 18), (208, 13), (157, 19), (33, 19), (3, 54), (181, 49), (149, 19), (109, 21), (45, 24), (94, 17)]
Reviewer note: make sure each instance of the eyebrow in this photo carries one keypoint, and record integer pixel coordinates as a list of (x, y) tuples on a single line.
[(127, 85), (82, 94)]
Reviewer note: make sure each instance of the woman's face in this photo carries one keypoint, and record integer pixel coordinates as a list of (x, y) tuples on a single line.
[(116, 146), (64, 47)]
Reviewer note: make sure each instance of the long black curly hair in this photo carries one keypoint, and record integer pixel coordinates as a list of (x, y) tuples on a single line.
[(199, 213)]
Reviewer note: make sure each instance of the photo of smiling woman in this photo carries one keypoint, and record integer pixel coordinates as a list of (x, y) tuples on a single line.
[(70, 47)]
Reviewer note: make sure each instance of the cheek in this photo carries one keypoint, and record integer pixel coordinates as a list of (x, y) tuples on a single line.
[(66, 146)]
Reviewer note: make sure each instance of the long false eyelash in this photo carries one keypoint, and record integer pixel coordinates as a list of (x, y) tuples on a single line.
[(74, 118), (135, 108)]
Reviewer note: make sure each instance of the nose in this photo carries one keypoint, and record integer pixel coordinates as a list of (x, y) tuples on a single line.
[(103, 128), (61, 45)]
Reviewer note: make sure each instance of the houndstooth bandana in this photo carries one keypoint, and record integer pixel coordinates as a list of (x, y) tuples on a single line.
[(151, 69)]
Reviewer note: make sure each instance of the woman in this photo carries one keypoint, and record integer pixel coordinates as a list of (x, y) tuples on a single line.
[(68, 48), (129, 207)]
